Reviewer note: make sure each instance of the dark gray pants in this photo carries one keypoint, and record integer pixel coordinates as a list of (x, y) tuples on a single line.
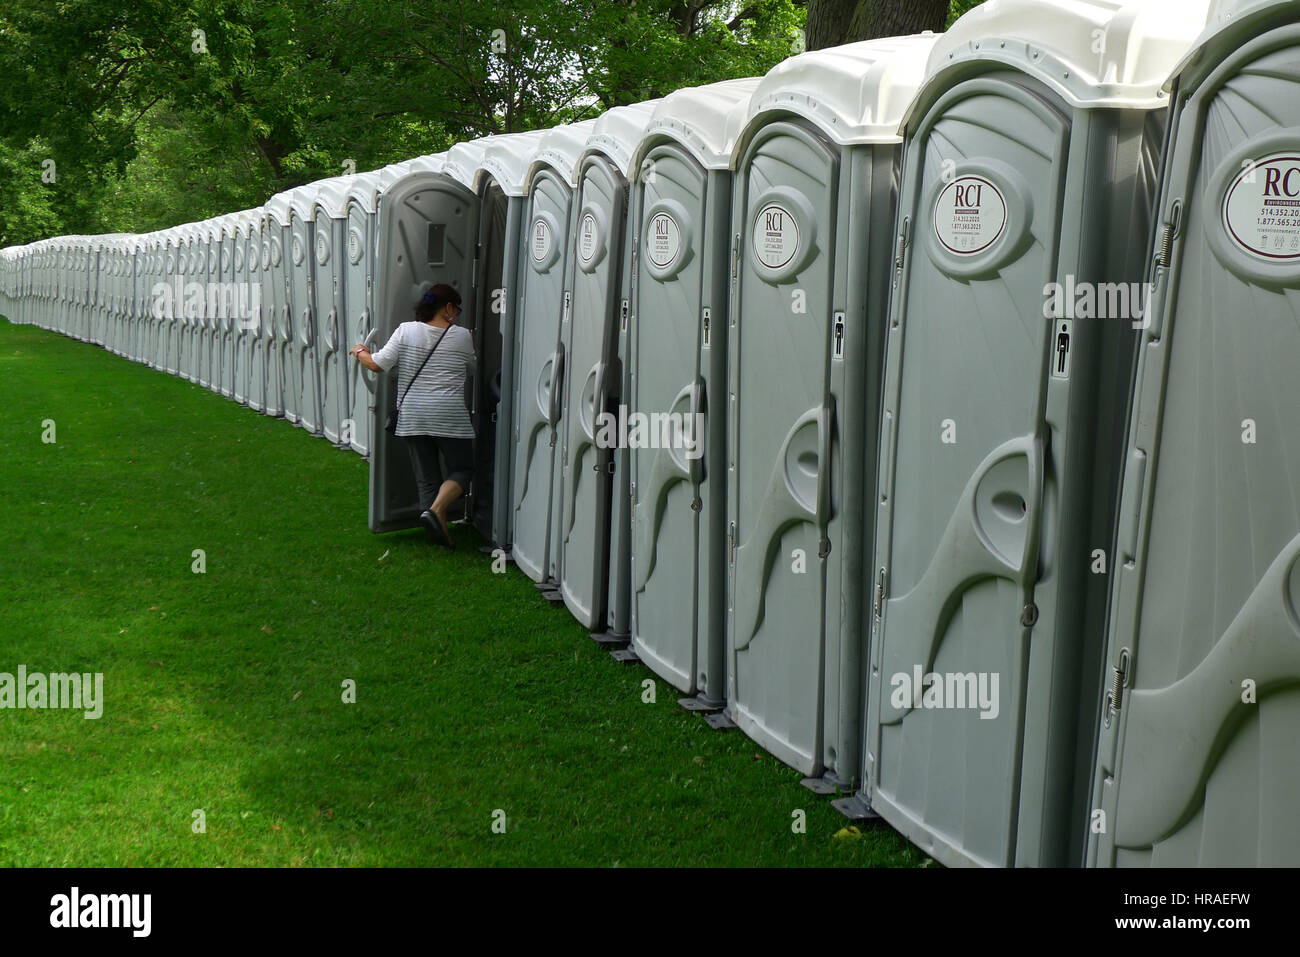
[(457, 454)]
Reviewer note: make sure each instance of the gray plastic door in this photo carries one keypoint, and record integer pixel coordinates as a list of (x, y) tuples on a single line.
[(485, 388), (240, 332), (359, 325), (540, 365), (208, 250), (665, 336), (331, 306), (302, 273), (781, 441), (427, 229), (1196, 762), (271, 295), (591, 356), (224, 359), (255, 389), (275, 305), (962, 484)]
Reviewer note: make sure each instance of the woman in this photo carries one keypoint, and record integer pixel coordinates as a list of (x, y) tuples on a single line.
[(432, 417)]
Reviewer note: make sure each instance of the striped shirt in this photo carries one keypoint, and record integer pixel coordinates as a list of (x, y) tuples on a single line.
[(436, 403)]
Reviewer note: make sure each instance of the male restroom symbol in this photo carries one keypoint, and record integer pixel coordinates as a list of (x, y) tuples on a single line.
[(1061, 354)]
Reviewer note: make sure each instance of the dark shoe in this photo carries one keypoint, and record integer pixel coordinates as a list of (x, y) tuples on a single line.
[(437, 531)]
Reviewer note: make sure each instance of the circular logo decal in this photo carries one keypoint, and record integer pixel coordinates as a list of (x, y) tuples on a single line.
[(276, 252), (969, 215), (354, 246), (322, 249), (588, 235), (1261, 210), (664, 242), (776, 236), (541, 241), (297, 251)]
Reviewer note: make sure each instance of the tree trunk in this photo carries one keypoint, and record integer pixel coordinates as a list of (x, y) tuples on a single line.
[(833, 22)]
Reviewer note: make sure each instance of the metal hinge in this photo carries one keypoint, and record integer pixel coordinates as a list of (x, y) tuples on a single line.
[(823, 548), (731, 541), (707, 314), (735, 256), (1118, 678), (880, 593), (635, 259), (1165, 251)]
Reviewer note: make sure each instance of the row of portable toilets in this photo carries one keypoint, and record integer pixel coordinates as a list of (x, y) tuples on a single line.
[(983, 508)]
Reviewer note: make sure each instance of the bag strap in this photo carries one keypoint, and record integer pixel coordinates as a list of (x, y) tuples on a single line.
[(421, 368)]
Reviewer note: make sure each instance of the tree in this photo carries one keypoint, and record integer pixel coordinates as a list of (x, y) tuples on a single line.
[(834, 22), (158, 112)]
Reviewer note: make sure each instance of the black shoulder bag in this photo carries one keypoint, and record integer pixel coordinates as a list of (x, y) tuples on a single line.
[(391, 425)]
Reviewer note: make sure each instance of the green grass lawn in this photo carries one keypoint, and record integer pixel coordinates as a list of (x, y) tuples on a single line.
[(223, 690)]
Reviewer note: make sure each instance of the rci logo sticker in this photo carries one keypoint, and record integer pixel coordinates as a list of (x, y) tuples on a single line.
[(588, 233), (665, 240), (1261, 210), (541, 241), (969, 215), (776, 236)]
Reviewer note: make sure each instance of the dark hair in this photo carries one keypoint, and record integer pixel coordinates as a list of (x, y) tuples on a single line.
[(434, 299)]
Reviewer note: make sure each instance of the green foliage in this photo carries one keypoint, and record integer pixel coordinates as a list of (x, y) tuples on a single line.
[(159, 112)]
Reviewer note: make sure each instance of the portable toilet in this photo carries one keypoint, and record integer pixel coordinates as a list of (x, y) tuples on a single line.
[(173, 309), (218, 312), (192, 263), (502, 169), (271, 299), (251, 311), (427, 225), (542, 299), (462, 163), (304, 378), (1195, 762), (1030, 166), (206, 275), (600, 273), (329, 214), (358, 324), (812, 208), (675, 359), (281, 355)]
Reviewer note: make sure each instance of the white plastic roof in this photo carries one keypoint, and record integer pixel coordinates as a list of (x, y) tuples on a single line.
[(433, 163), (1057, 42), (856, 93), (332, 195), (365, 189), (1223, 15), (560, 148), (463, 161), (618, 132), (705, 119), (507, 159)]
